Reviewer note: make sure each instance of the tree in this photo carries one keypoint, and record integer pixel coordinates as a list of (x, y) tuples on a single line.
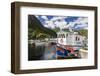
[(83, 32)]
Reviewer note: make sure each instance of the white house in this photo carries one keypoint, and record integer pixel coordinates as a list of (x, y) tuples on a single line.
[(70, 38)]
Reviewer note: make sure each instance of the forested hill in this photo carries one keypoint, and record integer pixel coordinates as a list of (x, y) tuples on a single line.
[(35, 27)]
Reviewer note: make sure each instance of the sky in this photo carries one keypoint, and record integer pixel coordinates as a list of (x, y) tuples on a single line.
[(63, 22)]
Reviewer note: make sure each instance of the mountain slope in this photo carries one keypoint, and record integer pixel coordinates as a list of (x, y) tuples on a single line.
[(36, 25)]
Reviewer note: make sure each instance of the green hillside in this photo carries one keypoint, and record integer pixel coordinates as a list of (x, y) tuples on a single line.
[(36, 30)]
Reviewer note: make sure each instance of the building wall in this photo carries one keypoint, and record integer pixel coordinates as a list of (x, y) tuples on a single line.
[(62, 41), (70, 39)]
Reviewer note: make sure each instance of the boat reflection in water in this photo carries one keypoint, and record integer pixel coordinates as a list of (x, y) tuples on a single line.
[(41, 51), (50, 51)]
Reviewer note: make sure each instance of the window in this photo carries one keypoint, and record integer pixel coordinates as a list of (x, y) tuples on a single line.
[(76, 38), (63, 35), (66, 35)]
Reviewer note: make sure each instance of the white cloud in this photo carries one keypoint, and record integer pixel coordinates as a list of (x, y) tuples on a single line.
[(44, 17), (58, 18), (58, 21), (80, 23), (49, 24), (81, 26), (82, 20)]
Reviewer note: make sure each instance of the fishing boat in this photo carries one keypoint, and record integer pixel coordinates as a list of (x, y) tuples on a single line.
[(69, 44)]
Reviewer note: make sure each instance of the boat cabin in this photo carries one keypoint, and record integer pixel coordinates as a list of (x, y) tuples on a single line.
[(70, 38)]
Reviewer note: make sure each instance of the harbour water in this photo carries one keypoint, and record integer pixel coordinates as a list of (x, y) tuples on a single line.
[(47, 51)]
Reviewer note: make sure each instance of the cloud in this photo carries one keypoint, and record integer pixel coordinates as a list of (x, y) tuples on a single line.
[(81, 26), (82, 20), (80, 23), (55, 21), (63, 22), (44, 17)]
